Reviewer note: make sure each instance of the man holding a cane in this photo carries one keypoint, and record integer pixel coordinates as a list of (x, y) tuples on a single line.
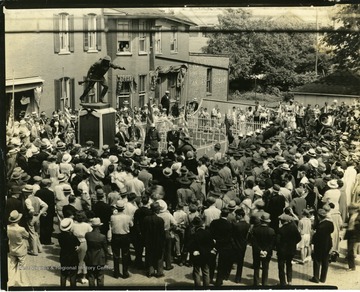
[(96, 74)]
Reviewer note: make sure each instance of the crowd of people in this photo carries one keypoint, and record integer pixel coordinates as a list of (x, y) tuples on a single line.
[(292, 190)]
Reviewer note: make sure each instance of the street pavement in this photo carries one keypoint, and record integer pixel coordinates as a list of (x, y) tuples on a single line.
[(43, 271)]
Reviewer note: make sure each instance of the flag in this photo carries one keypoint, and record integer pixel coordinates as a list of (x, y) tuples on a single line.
[(185, 124), (150, 115)]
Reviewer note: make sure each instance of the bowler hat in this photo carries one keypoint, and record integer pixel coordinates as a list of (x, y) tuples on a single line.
[(184, 181)]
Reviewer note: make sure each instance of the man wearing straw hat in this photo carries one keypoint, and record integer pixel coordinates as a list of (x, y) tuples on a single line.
[(96, 252), (35, 208), (69, 260), (17, 236)]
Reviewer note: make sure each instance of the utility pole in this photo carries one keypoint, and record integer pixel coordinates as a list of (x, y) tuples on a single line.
[(317, 42)]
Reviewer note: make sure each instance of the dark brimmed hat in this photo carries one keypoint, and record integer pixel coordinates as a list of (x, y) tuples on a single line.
[(213, 168), (185, 181)]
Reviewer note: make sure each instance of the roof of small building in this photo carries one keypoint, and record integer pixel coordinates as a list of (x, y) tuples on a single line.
[(345, 82), (147, 13)]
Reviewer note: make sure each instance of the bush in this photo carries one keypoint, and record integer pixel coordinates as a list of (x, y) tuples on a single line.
[(250, 95)]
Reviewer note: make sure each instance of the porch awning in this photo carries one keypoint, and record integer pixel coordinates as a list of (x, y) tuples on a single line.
[(23, 84), (170, 69)]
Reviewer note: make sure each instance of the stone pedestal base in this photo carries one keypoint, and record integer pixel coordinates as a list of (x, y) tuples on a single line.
[(97, 124)]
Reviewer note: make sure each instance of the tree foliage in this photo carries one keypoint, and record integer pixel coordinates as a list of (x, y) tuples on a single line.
[(346, 44), (283, 58)]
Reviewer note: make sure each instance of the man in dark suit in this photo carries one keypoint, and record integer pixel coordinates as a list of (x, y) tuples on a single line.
[(46, 221), (322, 245), (102, 210), (200, 246), (165, 102), (263, 241), (96, 252), (154, 239), (221, 232), (173, 136), (275, 207), (286, 241), (13, 202), (240, 236), (139, 216), (69, 259)]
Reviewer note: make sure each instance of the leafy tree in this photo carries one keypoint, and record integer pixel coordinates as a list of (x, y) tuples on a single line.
[(282, 57), (346, 42)]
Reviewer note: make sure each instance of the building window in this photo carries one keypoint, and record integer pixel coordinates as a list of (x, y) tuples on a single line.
[(92, 38), (63, 33), (123, 94), (123, 37), (157, 40), (142, 37), (174, 40), (142, 90), (209, 80), (64, 93)]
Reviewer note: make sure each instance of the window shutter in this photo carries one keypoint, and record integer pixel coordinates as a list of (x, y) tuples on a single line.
[(98, 33), (72, 93), (71, 33), (57, 86), (86, 33), (56, 34)]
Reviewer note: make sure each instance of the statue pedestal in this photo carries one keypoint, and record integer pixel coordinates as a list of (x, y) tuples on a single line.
[(97, 123)]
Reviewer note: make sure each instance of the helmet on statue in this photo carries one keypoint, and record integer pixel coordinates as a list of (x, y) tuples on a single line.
[(107, 58)]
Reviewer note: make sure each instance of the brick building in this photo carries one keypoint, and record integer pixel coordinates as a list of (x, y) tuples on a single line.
[(49, 51)]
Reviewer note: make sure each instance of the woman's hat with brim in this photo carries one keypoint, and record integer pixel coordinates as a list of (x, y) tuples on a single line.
[(333, 184), (15, 216), (66, 224), (96, 222)]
